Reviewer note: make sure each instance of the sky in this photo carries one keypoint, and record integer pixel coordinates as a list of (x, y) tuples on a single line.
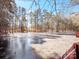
[(62, 5)]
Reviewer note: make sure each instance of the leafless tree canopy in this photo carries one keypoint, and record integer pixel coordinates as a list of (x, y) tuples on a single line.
[(7, 10), (74, 2)]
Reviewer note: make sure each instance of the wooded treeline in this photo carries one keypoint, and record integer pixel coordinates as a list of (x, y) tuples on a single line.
[(44, 21)]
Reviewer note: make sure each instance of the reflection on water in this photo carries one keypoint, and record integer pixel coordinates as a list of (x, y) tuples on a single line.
[(20, 48), (3, 47)]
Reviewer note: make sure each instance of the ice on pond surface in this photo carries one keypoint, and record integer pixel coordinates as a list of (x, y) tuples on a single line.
[(20, 47)]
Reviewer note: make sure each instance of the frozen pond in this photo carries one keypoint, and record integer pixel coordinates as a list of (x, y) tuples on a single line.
[(19, 47)]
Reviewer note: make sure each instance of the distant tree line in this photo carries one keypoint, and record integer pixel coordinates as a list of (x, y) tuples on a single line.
[(45, 21)]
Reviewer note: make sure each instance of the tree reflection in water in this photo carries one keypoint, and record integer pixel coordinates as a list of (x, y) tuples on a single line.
[(17, 48)]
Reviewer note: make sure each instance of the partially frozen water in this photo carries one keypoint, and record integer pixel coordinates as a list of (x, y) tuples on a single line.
[(20, 47)]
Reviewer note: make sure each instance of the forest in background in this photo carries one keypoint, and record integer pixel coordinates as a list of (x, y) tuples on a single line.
[(43, 21), (18, 19)]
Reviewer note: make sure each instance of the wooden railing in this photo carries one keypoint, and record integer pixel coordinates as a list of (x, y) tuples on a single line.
[(72, 53)]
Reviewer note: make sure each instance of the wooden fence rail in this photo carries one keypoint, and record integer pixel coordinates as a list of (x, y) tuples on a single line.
[(72, 53)]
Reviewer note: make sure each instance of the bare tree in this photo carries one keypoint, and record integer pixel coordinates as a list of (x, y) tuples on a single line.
[(7, 10), (74, 2)]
